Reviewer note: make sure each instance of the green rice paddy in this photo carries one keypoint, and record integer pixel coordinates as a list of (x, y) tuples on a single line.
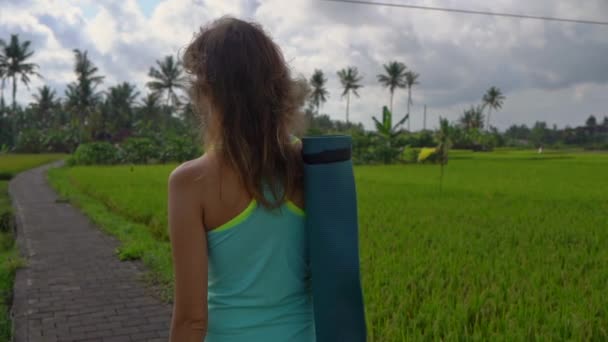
[(515, 247)]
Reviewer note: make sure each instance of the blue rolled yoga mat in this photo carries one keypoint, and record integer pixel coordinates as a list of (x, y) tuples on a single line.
[(331, 222)]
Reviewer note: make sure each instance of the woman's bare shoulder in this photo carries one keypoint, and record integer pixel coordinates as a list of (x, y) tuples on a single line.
[(196, 171)]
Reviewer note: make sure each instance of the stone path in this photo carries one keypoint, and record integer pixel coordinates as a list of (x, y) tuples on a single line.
[(74, 288)]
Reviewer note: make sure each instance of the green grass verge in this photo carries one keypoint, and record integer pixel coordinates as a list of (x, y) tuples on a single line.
[(11, 164)]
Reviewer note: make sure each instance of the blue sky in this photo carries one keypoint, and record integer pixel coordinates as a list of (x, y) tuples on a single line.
[(90, 9), (554, 72), (147, 6)]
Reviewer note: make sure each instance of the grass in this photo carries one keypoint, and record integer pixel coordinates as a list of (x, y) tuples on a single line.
[(11, 164), (513, 249), (10, 260)]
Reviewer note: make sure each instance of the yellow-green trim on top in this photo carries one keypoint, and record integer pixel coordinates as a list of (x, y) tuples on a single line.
[(295, 209), (237, 219)]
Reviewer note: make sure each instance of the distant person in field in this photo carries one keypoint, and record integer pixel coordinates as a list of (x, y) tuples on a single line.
[(236, 216)]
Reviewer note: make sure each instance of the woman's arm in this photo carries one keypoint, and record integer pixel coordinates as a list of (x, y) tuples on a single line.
[(189, 250)]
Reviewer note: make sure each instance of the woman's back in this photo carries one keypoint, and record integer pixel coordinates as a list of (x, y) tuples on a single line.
[(258, 282)]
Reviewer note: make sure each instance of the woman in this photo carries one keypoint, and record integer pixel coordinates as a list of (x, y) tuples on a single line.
[(235, 214)]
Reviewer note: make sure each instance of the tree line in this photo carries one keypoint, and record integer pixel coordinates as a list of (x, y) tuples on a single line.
[(85, 113)]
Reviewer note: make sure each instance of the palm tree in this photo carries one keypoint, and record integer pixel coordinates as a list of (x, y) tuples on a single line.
[(410, 79), (472, 118), (81, 95), (119, 104), (13, 62), (167, 79), (46, 102), (149, 109), (2, 72), (319, 94), (350, 79), (394, 78), (493, 99)]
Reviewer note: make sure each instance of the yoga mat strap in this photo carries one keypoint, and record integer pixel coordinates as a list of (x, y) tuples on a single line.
[(325, 157)]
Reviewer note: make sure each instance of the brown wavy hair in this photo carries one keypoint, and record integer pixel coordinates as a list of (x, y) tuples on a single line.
[(249, 104)]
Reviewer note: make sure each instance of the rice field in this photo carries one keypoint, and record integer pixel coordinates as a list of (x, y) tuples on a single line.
[(515, 247)]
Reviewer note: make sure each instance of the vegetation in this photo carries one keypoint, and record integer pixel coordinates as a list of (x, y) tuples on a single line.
[(319, 94), (10, 260), (351, 81), (502, 254), (14, 63), (167, 79), (411, 79), (443, 146), (166, 127), (493, 99), (388, 132), (393, 79)]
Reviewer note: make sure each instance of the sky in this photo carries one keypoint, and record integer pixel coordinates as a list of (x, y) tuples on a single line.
[(548, 71)]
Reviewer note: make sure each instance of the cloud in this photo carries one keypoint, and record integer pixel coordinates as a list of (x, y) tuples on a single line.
[(549, 71)]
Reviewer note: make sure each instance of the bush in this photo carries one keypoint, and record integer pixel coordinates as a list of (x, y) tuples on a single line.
[(59, 141), (409, 155), (6, 220), (179, 149), (138, 150), (94, 153)]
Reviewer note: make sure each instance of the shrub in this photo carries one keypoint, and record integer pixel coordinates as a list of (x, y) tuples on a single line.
[(59, 141), (94, 153), (179, 149), (409, 155), (138, 150), (6, 220)]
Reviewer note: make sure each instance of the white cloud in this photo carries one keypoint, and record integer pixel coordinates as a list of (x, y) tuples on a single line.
[(549, 71)]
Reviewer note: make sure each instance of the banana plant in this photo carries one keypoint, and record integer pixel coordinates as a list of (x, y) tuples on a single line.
[(385, 128), (387, 131)]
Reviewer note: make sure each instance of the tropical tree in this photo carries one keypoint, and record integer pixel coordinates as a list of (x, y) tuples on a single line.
[(319, 94), (350, 80), (150, 111), (394, 78), (81, 96), (472, 118), (46, 103), (388, 132), (167, 78), (2, 72), (14, 63), (591, 122), (119, 105), (411, 79), (493, 99)]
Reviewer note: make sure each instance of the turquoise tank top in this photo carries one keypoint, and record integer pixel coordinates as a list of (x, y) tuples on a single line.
[(259, 277)]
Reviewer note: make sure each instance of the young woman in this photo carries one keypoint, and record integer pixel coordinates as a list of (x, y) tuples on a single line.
[(236, 216)]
